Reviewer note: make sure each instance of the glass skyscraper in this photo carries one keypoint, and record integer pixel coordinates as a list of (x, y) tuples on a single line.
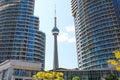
[(97, 30), (20, 38)]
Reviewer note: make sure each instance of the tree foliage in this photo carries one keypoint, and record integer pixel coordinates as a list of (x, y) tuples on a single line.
[(48, 75), (111, 77), (76, 78), (116, 62)]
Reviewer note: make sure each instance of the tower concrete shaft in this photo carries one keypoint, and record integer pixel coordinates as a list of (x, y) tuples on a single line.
[(56, 63)]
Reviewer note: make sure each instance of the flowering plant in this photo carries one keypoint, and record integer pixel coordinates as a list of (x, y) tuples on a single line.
[(116, 62), (48, 75)]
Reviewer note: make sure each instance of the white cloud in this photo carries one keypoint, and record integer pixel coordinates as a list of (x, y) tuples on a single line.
[(63, 37), (70, 28), (68, 35), (71, 40)]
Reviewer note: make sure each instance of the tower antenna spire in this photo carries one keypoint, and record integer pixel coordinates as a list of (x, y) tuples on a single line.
[(55, 10), (55, 17)]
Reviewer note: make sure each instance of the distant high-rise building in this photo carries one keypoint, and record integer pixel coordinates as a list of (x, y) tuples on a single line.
[(97, 28), (20, 38), (55, 32)]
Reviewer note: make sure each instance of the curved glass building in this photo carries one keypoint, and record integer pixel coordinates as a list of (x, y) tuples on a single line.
[(20, 38), (97, 28)]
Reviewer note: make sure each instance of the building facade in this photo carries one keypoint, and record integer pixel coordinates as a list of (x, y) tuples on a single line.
[(18, 70), (97, 74), (97, 29), (20, 38)]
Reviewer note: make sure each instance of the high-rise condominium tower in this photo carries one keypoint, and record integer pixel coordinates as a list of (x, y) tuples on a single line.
[(97, 28), (20, 38)]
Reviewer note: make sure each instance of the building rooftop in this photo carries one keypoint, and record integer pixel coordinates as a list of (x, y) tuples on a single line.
[(18, 64)]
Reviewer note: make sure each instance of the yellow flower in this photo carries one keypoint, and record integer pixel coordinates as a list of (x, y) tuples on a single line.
[(112, 62), (59, 74), (53, 74), (34, 76), (118, 68), (49, 75), (117, 54), (59, 78), (116, 63)]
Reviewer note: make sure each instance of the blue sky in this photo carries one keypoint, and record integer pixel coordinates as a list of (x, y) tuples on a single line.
[(44, 9)]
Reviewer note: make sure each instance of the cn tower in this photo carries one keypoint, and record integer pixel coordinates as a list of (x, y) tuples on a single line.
[(55, 32)]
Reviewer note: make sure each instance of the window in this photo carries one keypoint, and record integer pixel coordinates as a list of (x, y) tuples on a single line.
[(18, 79), (16, 72)]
